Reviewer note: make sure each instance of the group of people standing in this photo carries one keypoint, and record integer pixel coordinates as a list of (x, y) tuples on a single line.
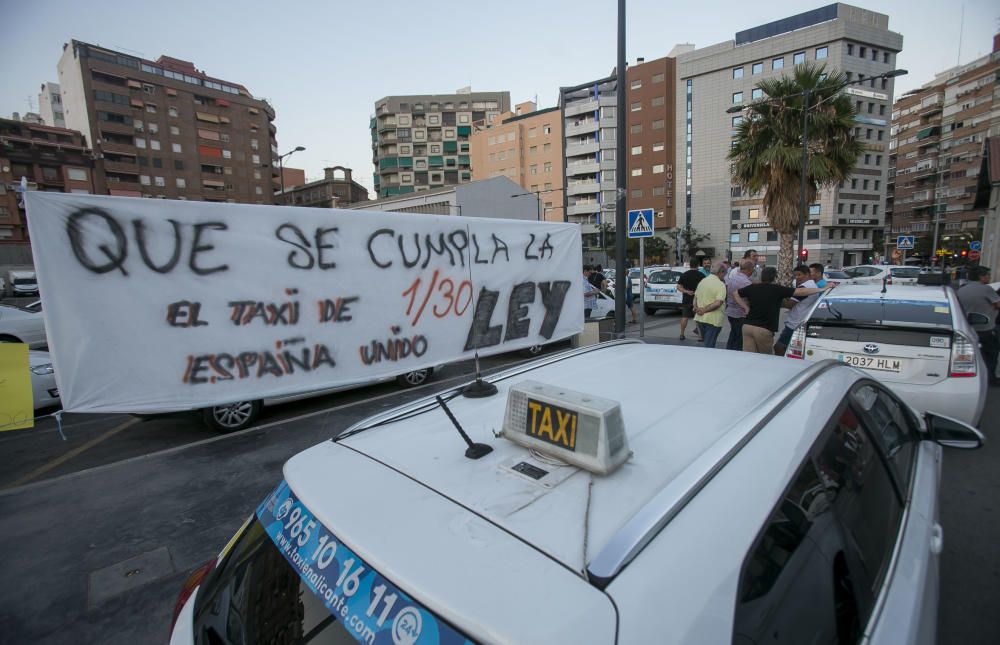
[(750, 299)]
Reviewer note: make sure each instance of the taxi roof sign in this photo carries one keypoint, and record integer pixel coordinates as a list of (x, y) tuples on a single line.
[(576, 427)]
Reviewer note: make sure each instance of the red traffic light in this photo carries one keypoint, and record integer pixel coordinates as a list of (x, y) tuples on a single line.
[(803, 254), (964, 253)]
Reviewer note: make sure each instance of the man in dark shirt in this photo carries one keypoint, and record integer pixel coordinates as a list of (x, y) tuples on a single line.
[(687, 284), (762, 302)]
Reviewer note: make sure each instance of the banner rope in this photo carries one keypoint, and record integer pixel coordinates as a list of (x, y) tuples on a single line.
[(57, 415)]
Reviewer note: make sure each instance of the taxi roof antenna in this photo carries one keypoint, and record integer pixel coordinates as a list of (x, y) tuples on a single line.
[(884, 280), (478, 389), (475, 450)]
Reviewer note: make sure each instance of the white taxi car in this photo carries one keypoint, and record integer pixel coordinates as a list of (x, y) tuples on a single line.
[(19, 325), (661, 291), (914, 339), (575, 518), (876, 273)]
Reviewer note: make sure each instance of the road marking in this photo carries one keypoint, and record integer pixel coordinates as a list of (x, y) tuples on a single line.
[(67, 425), (58, 461)]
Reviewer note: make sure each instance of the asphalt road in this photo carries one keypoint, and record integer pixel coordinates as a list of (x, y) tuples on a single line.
[(97, 554)]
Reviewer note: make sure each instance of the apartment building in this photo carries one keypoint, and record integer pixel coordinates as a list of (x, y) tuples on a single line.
[(525, 146), (166, 129), (336, 189), (652, 87), (50, 105), (51, 159), (421, 142), (935, 154), (842, 222)]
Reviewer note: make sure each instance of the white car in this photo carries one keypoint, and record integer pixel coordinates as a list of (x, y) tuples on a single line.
[(875, 273), (916, 340), (805, 506), (604, 308), (661, 291), (44, 392), (18, 325)]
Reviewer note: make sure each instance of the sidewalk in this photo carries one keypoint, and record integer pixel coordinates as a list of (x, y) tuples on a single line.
[(663, 328)]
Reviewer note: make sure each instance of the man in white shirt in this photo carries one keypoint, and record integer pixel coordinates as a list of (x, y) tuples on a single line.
[(799, 311), (747, 255)]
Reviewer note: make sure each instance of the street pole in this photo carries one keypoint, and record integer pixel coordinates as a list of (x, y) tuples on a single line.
[(805, 172), (538, 195), (620, 223), (281, 176), (642, 287)]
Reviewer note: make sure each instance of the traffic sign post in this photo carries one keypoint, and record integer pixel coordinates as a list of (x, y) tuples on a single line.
[(974, 254), (904, 242), (976, 246), (640, 225)]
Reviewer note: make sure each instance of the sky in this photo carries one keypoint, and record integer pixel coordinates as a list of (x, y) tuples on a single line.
[(323, 64)]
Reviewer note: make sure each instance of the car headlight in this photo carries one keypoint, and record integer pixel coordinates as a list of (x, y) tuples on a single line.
[(42, 370)]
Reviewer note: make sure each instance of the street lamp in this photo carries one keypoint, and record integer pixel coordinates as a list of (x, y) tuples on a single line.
[(281, 168), (804, 167), (538, 196)]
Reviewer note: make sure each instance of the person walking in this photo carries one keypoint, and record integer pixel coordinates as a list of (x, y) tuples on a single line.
[(736, 313), (799, 311), (709, 301), (977, 297), (762, 302), (687, 284), (630, 298), (589, 292)]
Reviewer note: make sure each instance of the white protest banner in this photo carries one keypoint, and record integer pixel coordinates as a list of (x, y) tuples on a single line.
[(154, 305)]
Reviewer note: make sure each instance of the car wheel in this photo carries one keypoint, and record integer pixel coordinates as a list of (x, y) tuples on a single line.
[(414, 378), (533, 351), (8, 339), (649, 311), (232, 417)]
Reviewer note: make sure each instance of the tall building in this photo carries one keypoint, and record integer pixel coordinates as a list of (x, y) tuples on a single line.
[(936, 151), (50, 105), (165, 129), (51, 159), (525, 146), (842, 222), (422, 142), (652, 86), (337, 189), (590, 144)]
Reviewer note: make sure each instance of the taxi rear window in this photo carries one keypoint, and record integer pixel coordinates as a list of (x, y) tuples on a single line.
[(888, 310), (288, 579), (664, 277)]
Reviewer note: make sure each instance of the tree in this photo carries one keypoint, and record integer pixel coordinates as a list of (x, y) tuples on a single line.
[(767, 152), (687, 240), (657, 250)]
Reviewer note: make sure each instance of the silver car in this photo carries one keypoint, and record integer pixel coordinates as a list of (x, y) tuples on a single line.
[(18, 325)]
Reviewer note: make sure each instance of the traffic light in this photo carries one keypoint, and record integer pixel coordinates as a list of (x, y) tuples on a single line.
[(964, 253), (803, 255)]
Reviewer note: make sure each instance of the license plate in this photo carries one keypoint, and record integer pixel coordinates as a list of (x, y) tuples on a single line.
[(657, 296), (872, 362)]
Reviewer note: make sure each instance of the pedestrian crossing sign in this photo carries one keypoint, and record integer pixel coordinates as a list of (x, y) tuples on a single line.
[(640, 223)]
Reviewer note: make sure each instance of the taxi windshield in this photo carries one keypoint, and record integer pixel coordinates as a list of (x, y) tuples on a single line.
[(287, 579), (664, 277)]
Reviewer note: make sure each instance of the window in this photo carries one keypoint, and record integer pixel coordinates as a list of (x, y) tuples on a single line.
[(877, 184), (881, 133), (157, 162), (608, 155), (227, 154), (151, 108), (547, 167), (175, 147), (754, 213), (159, 181), (862, 51), (657, 169), (734, 215), (534, 169), (772, 236), (181, 183), (868, 160), (154, 128), (154, 144), (864, 184), (734, 237), (635, 107), (636, 192), (636, 128), (878, 160), (178, 164), (174, 130), (140, 143), (812, 233), (874, 54), (659, 191), (637, 150), (756, 94), (737, 72), (636, 84), (864, 209), (813, 210), (737, 120), (532, 133), (255, 159), (547, 129), (144, 180), (547, 147), (258, 190), (778, 63), (852, 207), (737, 97), (76, 174), (885, 57), (138, 125), (607, 112), (658, 78), (850, 49), (753, 236), (757, 68), (821, 53), (657, 101), (798, 58), (657, 147), (637, 172)]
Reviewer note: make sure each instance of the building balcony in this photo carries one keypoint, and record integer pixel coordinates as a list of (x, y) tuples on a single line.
[(583, 107), (583, 126), (588, 208), (579, 149), (120, 166), (120, 148), (582, 168), (582, 188)]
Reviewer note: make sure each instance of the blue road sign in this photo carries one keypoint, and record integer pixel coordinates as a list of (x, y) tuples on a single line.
[(640, 223), (904, 242), (975, 246)]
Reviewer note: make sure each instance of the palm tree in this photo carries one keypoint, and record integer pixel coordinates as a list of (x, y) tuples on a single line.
[(767, 153)]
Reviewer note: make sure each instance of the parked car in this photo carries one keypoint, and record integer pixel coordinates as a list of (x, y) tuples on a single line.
[(22, 283), (44, 391), (661, 291), (601, 518), (875, 273), (834, 277), (18, 325), (916, 340)]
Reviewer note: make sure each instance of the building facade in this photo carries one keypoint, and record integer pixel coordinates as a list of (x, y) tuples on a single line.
[(842, 222), (526, 147), (165, 129), (50, 105), (935, 155), (337, 189), (422, 142), (50, 159), (495, 197)]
